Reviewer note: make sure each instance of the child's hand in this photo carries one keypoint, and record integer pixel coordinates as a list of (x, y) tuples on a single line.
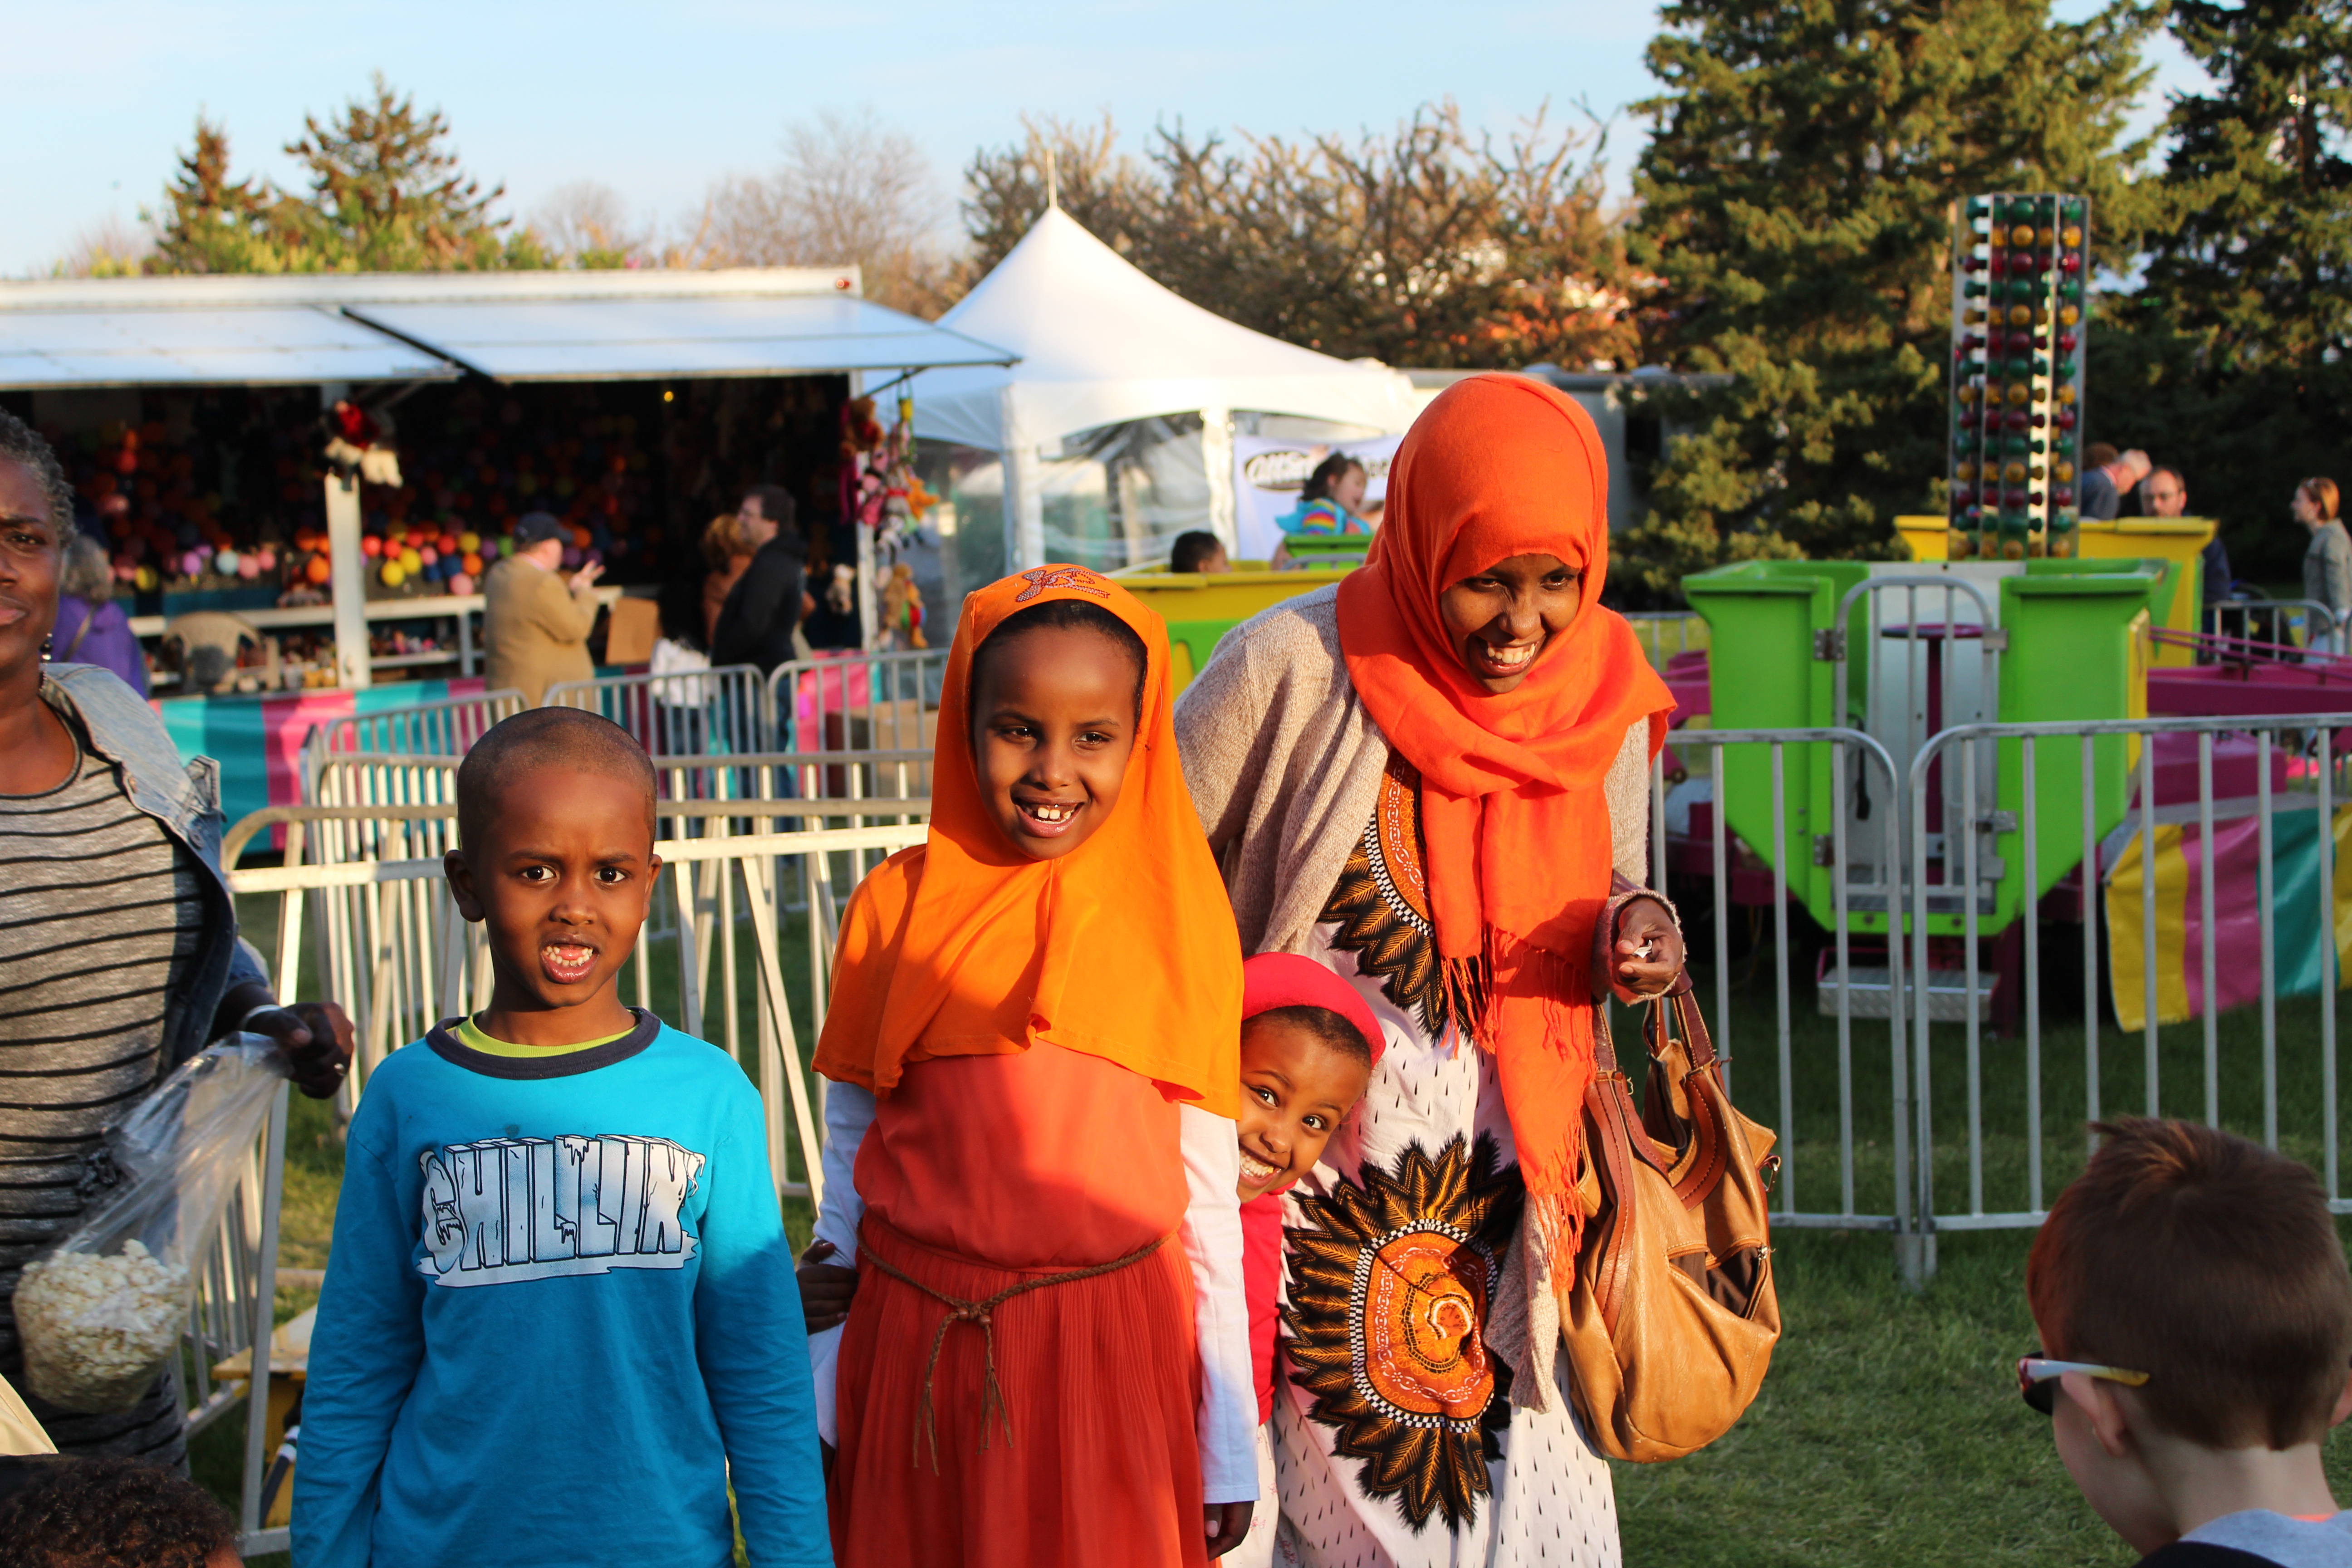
[(1226, 1523), (1649, 948), (826, 1289)]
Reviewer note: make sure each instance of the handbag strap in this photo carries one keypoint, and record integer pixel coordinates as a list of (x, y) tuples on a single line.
[(89, 618)]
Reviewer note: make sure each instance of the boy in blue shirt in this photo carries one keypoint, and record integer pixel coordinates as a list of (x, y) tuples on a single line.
[(560, 1314)]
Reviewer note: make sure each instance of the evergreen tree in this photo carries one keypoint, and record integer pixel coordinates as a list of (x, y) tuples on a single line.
[(214, 224), (2255, 256), (388, 193), (1797, 202)]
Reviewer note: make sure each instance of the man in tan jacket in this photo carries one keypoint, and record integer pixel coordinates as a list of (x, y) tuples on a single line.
[(535, 629)]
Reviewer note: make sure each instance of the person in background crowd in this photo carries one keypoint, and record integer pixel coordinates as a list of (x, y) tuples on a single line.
[(121, 958), (2327, 563), (91, 628), (755, 623), (2164, 493), (2106, 475), (1198, 551), (534, 626), (115, 1513), (729, 551), (1333, 501)]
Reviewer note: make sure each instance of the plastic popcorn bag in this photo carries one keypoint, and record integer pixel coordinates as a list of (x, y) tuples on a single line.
[(99, 1315)]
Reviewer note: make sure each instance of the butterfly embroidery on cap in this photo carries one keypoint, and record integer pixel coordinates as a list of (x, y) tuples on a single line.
[(1043, 577)]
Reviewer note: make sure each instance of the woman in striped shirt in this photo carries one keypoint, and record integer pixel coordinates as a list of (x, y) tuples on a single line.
[(119, 952)]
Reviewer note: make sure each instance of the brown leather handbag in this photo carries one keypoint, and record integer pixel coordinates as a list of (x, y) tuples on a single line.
[(1674, 1314)]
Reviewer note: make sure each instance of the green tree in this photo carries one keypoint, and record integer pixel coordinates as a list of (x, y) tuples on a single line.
[(214, 223), (1797, 202), (387, 194), (2255, 256), (1429, 245)]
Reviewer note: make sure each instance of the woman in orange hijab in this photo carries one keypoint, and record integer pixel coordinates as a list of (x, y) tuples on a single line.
[(1434, 778), (1034, 1043)]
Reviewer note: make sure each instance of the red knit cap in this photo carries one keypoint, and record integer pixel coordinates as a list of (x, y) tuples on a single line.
[(1273, 980)]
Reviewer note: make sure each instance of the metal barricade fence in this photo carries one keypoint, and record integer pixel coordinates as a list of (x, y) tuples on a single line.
[(1924, 868), (1667, 633), (858, 701), (2293, 766), (708, 713), (444, 729), (2274, 621), (1865, 877)]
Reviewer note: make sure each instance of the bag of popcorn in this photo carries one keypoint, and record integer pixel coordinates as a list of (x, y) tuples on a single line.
[(100, 1314)]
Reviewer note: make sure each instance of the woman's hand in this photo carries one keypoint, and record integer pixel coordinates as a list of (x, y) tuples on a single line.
[(826, 1289), (1649, 949), (1225, 1524), (317, 1037)]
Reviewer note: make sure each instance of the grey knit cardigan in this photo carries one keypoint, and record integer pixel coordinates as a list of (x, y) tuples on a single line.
[(1285, 767)]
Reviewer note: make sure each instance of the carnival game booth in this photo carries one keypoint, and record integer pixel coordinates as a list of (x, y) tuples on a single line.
[(335, 460), (1116, 430)]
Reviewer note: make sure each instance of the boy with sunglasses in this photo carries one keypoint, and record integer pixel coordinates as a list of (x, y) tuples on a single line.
[(2193, 1297)]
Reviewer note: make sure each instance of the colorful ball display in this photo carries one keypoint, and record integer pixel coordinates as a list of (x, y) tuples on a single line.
[(461, 583), (393, 575), (317, 570)]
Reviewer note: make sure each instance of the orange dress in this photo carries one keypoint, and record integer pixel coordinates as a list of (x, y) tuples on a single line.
[(1027, 1028), (1100, 1377)]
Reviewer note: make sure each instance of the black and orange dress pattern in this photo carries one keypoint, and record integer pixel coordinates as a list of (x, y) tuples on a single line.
[(1396, 1439)]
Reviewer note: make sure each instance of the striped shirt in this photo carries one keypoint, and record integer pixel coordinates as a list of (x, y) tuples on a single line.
[(100, 916)]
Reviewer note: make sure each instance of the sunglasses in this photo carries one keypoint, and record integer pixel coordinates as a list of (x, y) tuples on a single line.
[(2038, 1376)]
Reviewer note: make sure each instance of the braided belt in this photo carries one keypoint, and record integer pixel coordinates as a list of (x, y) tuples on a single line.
[(984, 1314)]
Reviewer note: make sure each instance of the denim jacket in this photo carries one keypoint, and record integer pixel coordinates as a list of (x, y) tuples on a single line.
[(185, 798)]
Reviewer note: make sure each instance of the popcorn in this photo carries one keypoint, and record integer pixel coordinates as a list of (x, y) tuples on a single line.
[(97, 1331)]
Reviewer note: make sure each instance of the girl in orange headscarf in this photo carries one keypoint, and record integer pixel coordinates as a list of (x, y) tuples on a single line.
[(1433, 778), (1031, 1161)]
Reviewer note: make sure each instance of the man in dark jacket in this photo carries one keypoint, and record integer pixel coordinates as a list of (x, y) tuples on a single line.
[(755, 626)]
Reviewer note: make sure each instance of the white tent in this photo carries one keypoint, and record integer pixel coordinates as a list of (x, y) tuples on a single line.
[(1102, 346)]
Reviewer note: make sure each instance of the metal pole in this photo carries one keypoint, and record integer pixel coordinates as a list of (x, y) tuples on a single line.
[(1968, 945), (348, 568), (1838, 895), (2148, 911), (2327, 948), (2031, 914), (2211, 1007), (1722, 926), (2264, 893), (265, 1318), (1781, 989), (2092, 883)]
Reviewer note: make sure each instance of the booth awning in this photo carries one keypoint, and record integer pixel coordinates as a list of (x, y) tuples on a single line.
[(253, 347), (514, 326), (618, 340)]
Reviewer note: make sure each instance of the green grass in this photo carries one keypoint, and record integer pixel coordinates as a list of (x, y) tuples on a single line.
[(1889, 1430)]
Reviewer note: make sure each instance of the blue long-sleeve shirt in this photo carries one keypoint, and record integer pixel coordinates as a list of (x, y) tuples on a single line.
[(560, 1307)]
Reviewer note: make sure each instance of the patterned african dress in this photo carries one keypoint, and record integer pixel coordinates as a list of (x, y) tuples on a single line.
[(1395, 1437)]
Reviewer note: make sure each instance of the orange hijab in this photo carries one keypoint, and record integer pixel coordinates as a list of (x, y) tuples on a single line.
[(1124, 949), (1511, 794)]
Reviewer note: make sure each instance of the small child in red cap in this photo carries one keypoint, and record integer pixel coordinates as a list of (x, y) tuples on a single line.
[(1309, 1042)]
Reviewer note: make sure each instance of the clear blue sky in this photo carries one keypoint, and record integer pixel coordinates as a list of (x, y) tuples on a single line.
[(658, 101)]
